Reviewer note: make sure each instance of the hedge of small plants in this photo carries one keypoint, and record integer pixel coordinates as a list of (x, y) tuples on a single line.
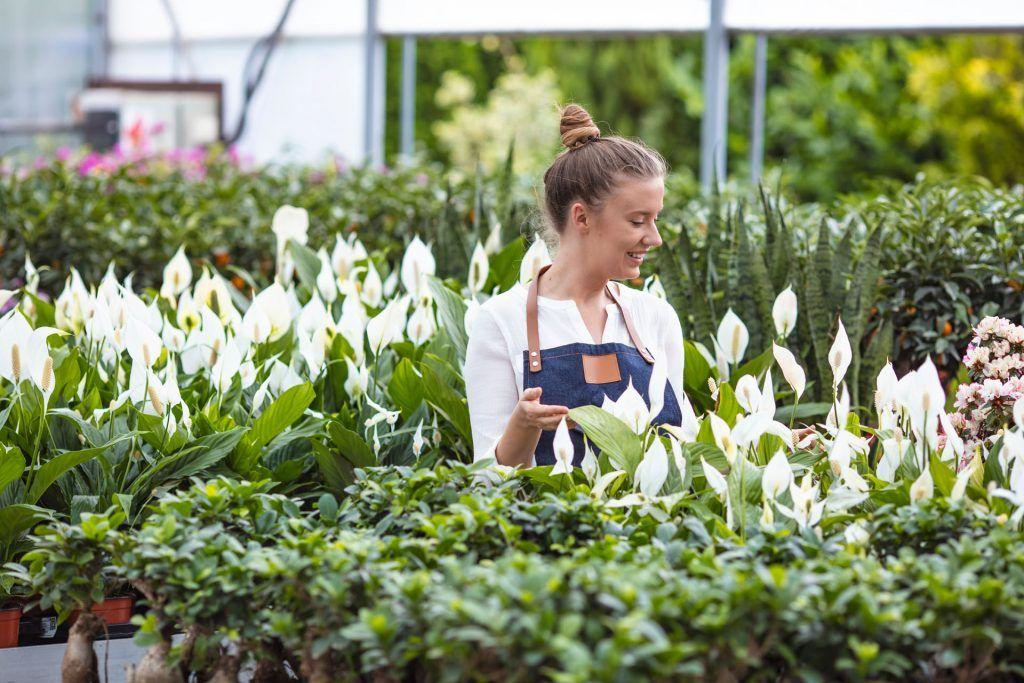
[(278, 463)]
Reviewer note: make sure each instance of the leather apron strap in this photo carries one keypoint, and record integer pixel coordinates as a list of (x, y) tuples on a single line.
[(533, 334)]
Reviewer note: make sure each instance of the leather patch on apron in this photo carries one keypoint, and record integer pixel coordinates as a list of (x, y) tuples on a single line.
[(601, 369)]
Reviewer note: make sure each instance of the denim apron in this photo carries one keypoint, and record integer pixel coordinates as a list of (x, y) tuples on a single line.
[(580, 374)]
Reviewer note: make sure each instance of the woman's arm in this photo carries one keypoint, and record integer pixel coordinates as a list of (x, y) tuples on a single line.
[(504, 424)]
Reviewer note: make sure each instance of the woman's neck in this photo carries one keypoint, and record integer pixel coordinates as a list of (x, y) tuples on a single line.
[(568, 278)]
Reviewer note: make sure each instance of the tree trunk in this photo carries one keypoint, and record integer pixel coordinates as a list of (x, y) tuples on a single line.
[(153, 668), (79, 664)]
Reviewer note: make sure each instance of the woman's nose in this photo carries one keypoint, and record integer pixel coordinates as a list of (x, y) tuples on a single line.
[(653, 238)]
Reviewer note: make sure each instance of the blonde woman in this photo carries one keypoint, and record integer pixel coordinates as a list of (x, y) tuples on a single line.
[(574, 337)]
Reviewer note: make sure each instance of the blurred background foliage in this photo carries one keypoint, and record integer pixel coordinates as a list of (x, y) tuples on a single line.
[(839, 111)]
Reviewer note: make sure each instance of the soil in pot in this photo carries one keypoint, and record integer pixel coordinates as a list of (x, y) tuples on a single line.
[(112, 610)]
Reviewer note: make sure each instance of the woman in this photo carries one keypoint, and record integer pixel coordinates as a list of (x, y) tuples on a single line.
[(573, 337)]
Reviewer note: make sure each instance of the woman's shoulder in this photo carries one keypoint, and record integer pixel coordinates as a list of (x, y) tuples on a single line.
[(509, 305)]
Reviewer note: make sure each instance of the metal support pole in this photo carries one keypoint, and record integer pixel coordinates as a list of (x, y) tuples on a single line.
[(757, 108), (716, 96), (99, 42), (373, 95), (408, 95)]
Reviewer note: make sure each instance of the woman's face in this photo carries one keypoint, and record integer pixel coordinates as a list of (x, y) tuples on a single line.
[(619, 235)]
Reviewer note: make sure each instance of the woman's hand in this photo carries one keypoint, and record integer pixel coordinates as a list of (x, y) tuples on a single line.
[(531, 413)]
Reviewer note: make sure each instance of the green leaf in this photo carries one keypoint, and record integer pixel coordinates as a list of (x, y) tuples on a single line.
[(451, 316), (756, 366), (50, 470), (285, 410), (12, 465), (611, 435), (405, 388), (504, 266), (337, 471), (352, 446), (307, 264), (17, 519), (446, 401), (942, 475), (728, 406)]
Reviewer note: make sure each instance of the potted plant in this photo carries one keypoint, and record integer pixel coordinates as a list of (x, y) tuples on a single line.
[(10, 611), (68, 569)]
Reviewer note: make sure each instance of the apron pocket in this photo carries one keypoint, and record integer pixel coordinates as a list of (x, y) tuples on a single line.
[(603, 369)]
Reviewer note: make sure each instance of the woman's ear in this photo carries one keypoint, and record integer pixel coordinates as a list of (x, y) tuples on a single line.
[(578, 218)]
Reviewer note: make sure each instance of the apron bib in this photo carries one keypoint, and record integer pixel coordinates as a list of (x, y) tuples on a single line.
[(580, 374)]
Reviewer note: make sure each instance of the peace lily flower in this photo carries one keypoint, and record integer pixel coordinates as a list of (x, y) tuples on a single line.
[(289, 223), (314, 316), (723, 436), (75, 304), (563, 448), (386, 327), (144, 346), (784, 312), (777, 476), (417, 265), (654, 287), (536, 257), (732, 338), (373, 290), (268, 316), (807, 509), (687, 431), (226, 367), (893, 452), (478, 269), (187, 314), (280, 379), (23, 352), (747, 393), (421, 325), (358, 379), (715, 479), (313, 349), (856, 534), (885, 387), (493, 243), (840, 355), (417, 440), (839, 413), (352, 326), (652, 470), (343, 258), (920, 394), (382, 414), (172, 337), (211, 291), (177, 275), (589, 464), (923, 487), (325, 279), (751, 428), (791, 369), (630, 407)]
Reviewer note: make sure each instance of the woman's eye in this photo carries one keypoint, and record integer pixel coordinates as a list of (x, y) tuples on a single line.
[(637, 222)]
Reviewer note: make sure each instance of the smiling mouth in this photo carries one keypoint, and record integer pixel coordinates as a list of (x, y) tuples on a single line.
[(636, 255)]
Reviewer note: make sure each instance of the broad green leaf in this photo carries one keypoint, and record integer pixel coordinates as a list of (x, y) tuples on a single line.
[(278, 416), (451, 316), (307, 264), (611, 435), (12, 465), (728, 407), (405, 387), (942, 475), (352, 446), (17, 519), (446, 401), (504, 266), (50, 470), (337, 471), (756, 366)]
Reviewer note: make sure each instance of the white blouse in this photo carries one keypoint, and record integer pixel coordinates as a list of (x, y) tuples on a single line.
[(497, 339)]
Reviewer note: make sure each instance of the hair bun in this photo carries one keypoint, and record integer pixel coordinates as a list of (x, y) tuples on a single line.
[(577, 127)]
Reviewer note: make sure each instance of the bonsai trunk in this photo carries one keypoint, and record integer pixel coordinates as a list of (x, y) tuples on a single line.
[(153, 668), (79, 664), (227, 668)]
